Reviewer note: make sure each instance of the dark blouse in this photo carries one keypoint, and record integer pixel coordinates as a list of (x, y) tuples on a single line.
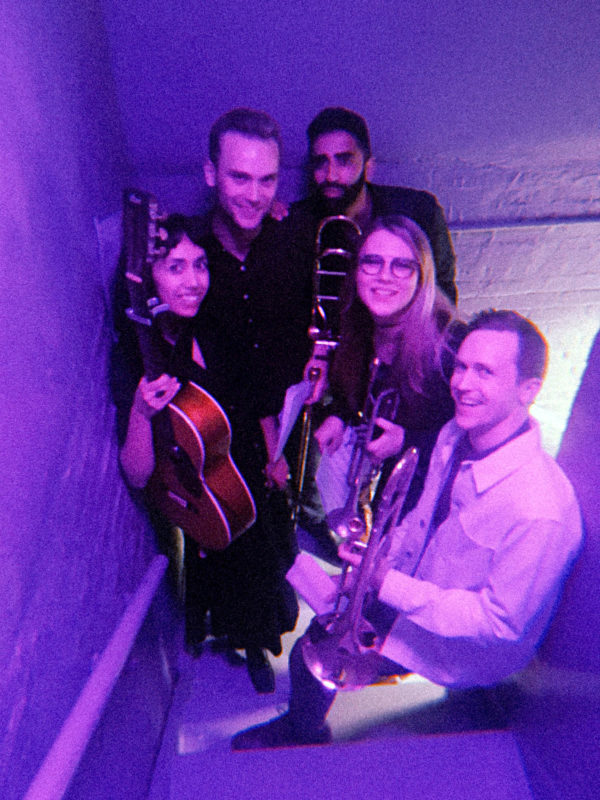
[(244, 586)]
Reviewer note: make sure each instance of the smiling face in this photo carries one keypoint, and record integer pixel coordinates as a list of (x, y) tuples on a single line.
[(245, 178), (388, 291), (182, 278), (491, 399)]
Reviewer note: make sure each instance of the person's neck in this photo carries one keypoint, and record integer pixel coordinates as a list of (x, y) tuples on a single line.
[(170, 327), (485, 441), (234, 239), (385, 340), (361, 208)]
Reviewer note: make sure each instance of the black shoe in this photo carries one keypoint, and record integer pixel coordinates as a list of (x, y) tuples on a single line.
[(260, 671), (279, 732)]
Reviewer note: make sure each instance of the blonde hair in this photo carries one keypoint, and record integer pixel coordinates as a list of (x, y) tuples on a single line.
[(421, 331)]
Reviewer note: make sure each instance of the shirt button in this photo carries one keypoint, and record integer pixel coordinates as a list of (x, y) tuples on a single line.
[(422, 523)]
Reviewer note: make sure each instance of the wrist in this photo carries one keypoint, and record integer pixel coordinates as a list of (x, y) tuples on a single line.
[(141, 409)]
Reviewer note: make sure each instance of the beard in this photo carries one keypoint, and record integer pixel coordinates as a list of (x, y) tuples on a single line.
[(333, 206)]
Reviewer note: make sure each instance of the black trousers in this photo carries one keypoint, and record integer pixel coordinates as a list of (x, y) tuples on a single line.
[(310, 701)]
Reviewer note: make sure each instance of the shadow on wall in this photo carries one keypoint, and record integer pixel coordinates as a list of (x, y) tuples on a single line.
[(572, 641), (555, 710)]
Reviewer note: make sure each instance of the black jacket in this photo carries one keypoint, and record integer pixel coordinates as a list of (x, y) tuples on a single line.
[(418, 205)]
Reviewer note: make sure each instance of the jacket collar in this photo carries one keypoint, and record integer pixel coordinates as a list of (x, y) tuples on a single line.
[(507, 459)]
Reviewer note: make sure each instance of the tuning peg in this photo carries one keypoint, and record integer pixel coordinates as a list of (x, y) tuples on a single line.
[(155, 307)]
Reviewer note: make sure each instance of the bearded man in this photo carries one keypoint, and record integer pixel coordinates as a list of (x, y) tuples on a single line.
[(340, 165)]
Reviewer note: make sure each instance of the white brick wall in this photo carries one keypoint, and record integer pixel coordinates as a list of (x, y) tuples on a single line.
[(526, 229), (551, 274)]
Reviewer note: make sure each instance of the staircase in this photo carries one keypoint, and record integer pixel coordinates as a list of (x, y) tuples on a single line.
[(407, 741)]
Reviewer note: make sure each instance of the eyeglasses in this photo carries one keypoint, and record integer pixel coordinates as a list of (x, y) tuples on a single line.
[(399, 267)]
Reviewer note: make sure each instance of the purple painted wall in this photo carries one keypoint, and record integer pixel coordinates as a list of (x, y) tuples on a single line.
[(558, 723), (434, 79), (495, 111), (72, 547)]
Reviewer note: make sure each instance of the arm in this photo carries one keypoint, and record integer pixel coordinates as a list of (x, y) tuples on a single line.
[(524, 580), (137, 454), (277, 472)]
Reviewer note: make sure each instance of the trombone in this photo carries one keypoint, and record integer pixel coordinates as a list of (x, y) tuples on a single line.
[(336, 244), (340, 652)]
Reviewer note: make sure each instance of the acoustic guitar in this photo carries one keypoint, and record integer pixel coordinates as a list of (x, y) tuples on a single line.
[(195, 483)]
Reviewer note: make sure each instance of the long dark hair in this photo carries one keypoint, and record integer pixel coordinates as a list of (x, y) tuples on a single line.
[(420, 341)]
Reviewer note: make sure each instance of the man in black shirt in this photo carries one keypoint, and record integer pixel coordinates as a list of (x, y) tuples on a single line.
[(257, 306), (260, 293)]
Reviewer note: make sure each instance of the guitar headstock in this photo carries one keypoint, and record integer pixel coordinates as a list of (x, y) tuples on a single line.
[(143, 240)]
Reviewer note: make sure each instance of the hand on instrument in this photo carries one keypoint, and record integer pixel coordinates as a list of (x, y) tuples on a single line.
[(279, 210), (152, 396), (389, 443), (330, 435), (351, 552), (341, 583), (277, 473)]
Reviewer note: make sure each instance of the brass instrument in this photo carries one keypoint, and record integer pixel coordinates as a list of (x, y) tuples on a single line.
[(313, 376), (351, 521), (340, 651), (336, 245)]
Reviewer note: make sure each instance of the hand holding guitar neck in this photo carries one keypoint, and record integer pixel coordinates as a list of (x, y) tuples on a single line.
[(152, 396)]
